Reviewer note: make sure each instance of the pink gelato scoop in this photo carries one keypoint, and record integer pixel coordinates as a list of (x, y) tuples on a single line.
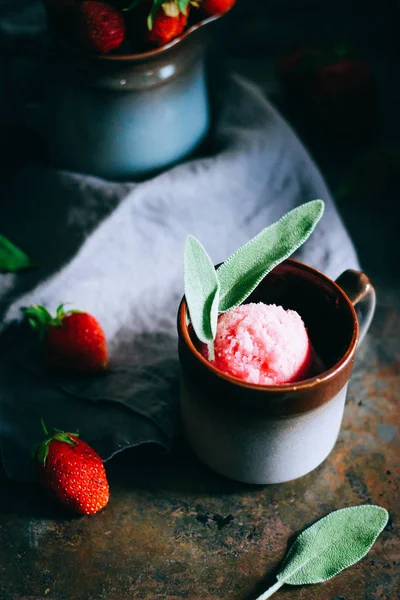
[(263, 344)]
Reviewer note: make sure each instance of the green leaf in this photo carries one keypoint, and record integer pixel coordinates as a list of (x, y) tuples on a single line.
[(183, 4), (39, 318), (132, 5), (154, 9), (46, 433), (12, 258), (334, 543), (61, 436), (240, 274), (43, 451), (201, 290)]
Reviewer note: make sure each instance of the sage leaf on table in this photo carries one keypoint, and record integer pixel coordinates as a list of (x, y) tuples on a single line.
[(332, 544), (201, 292), (240, 274), (12, 258)]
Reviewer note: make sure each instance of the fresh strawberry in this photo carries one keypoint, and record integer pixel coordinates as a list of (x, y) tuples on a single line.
[(72, 340), (166, 23), (73, 472), (216, 7), (101, 26)]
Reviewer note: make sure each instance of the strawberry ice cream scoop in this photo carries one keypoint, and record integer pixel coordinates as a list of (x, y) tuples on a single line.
[(263, 344)]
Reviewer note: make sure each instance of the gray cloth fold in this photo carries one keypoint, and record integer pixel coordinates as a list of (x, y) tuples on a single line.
[(115, 250)]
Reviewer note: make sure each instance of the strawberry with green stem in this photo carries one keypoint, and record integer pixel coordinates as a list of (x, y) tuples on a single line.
[(72, 471), (166, 20), (72, 340)]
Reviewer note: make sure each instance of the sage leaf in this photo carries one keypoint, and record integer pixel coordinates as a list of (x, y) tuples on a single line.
[(240, 274), (201, 291), (11, 257), (332, 544)]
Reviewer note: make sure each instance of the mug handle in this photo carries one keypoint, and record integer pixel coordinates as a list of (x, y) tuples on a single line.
[(361, 294)]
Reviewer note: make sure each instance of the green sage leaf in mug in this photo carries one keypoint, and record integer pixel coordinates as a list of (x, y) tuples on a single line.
[(12, 258), (240, 274), (201, 292), (332, 544)]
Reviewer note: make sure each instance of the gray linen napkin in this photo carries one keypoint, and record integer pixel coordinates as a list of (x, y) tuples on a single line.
[(115, 250)]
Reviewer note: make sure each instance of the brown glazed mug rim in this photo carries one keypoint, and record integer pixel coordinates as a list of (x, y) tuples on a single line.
[(299, 386)]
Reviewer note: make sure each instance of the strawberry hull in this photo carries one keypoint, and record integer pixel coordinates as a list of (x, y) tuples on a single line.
[(72, 341)]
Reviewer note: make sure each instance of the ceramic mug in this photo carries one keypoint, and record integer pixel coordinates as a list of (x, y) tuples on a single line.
[(270, 434), (115, 116)]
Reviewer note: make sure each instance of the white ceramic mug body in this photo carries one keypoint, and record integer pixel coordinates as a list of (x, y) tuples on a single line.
[(116, 117), (128, 133), (254, 449)]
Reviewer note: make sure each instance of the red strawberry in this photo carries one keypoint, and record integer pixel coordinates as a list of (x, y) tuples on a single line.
[(73, 472), (216, 7), (167, 23), (101, 26), (72, 341)]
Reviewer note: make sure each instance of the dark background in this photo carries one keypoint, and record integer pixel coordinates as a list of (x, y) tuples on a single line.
[(360, 162)]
